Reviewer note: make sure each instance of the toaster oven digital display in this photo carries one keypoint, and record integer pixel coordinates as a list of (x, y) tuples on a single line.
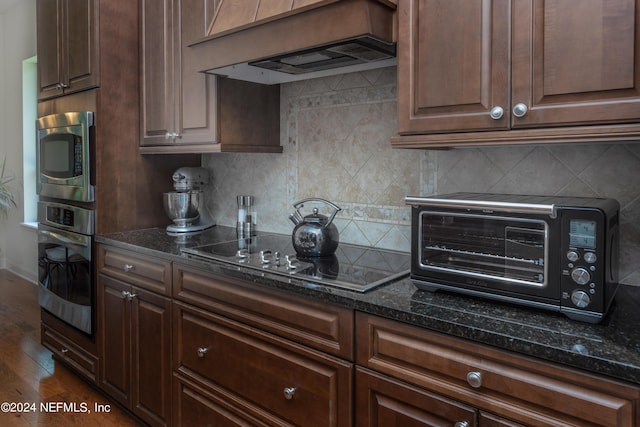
[(582, 234)]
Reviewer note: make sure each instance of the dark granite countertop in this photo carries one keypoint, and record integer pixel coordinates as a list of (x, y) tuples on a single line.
[(611, 348)]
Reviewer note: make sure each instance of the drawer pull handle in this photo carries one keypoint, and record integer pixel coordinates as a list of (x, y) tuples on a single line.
[(289, 392), (461, 424), (202, 351), (474, 379), (128, 268)]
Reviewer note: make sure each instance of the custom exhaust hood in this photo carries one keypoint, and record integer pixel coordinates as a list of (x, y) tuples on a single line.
[(272, 42)]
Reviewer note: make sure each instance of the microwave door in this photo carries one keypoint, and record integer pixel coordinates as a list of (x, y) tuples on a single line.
[(64, 157)]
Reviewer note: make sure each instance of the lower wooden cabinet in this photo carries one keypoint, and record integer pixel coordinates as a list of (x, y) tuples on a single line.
[(182, 346), (250, 373), (503, 387), (68, 350), (134, 333)]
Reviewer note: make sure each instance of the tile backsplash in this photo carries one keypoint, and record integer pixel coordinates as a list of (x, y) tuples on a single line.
[(335, 132)]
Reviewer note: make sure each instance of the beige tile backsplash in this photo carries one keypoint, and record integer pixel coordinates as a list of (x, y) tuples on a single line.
[(335, 132)]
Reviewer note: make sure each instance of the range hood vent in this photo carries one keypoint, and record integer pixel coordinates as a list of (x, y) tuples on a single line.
[(320, 39)]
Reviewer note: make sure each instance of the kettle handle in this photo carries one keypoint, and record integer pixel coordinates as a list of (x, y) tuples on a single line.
[(297, 205)]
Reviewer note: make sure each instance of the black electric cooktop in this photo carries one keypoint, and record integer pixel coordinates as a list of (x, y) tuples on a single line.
[(352, 267)]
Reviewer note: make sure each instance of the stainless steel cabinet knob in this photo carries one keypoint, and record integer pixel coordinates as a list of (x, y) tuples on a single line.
[(289, 392), (125, 294), (519, 110), (496, 113), (461, 424), (128, 268), (202, 351), (474, 379)]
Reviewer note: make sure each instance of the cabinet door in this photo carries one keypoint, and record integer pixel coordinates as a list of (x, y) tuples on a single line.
[(453, 65), (196, 109), (151, 357), (81, 55), (576, 62), (50, 48), (157, 72), (384, 402), (114, 314), (67, 46)]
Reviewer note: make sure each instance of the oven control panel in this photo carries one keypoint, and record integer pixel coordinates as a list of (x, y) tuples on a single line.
[(67, 217)]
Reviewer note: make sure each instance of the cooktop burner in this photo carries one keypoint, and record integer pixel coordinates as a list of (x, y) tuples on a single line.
[(352, 267)]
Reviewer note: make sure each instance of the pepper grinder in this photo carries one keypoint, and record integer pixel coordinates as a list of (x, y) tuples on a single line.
[(246, 216)]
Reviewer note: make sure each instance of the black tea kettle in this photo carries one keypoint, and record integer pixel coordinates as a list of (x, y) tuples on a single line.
[(314, 235)]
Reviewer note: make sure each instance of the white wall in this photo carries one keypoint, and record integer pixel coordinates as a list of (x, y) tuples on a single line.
[(18, 247)]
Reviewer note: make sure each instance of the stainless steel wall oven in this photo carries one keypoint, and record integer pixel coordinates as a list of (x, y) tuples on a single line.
[(65, 268), (556, 253), (66, 220)]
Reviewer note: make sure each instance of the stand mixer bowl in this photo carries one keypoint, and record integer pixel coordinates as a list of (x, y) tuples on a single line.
[(182, 207)]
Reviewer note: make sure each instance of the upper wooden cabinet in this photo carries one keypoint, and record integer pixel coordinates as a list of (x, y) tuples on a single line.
[(67, 44), (486, 72), (185, 111)]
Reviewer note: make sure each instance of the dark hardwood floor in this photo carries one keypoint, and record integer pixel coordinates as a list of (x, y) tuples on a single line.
[(28, 374)]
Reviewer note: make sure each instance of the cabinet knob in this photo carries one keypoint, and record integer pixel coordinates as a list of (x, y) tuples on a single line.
[(131, 296), (496, 113), (125, 294), (519, 110), (202, 351), (474, 379), (461, 424), (128, 268), (289, 392), (64, 350)]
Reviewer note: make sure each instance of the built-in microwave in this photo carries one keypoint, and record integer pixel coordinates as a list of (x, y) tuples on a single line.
[(64, 156), (556, 253)]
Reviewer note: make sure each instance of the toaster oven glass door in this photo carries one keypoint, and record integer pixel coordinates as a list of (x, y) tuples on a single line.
[(499, 249)]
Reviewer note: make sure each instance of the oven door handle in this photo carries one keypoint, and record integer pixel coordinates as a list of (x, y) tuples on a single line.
[(66, 238), (485, 205)]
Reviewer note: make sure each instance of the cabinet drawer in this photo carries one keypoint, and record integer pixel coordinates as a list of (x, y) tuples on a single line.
[(153, 274), (195, 406), (325, 327), (512, 386), (82, 362), (262, 373), (384, 402)]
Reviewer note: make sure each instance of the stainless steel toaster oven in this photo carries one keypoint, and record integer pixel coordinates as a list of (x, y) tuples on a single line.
[(555, 253)]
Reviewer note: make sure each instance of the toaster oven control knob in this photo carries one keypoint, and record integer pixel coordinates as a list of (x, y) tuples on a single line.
[(590, 257), (580, 299), (581, 276), (573, 256)]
